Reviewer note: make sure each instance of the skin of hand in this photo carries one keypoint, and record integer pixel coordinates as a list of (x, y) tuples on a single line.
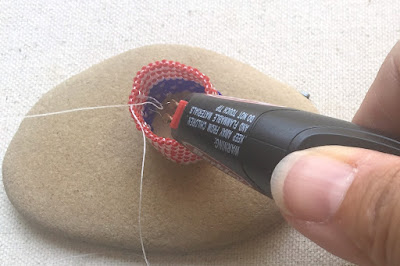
[(347, 200)]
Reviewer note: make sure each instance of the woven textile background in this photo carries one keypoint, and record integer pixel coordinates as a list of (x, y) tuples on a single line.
[(331, 49)]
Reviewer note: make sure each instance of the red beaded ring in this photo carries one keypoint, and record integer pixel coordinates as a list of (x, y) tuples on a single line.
[(148, 77)]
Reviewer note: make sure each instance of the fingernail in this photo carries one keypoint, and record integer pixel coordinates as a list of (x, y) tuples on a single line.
[(309, 186)]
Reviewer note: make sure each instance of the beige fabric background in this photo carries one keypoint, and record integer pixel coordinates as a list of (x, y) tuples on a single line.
[(331, 49)]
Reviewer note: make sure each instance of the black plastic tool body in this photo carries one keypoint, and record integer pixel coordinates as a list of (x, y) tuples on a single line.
[(248, 139)]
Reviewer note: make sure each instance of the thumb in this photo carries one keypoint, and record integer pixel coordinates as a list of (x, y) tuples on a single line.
[(347, 200)]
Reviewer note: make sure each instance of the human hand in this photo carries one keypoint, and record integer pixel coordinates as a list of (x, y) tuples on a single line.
[(347, 200)]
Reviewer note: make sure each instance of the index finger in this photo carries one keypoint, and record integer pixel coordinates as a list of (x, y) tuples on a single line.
[(380, 110)]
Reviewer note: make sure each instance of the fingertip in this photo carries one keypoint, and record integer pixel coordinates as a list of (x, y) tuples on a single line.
[(278, 178)]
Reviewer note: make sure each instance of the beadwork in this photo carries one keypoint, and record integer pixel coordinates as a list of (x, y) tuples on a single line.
[(156, 80)]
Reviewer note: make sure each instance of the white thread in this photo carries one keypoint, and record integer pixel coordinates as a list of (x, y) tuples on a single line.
[(76, 256), (159, 106), (94, 108), (140, 190), (147, 98)]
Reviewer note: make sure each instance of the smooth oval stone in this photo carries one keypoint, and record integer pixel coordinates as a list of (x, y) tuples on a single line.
[(78, 173)]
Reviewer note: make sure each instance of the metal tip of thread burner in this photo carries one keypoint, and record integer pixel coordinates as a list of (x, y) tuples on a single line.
[(167, 118), (169, 109)]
